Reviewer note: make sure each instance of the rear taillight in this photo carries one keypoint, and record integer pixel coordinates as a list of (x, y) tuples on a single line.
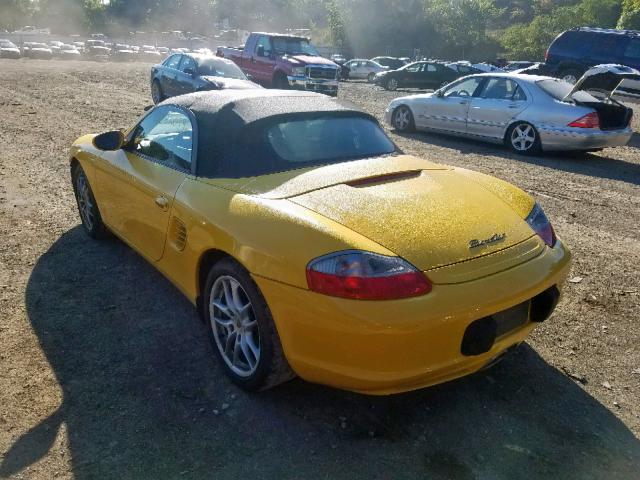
[(590, 120), (546, 55), (540, 224), (365, 276)]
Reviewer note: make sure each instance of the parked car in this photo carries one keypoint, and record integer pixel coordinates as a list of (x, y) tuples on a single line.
[(363, 69), (96, 50), (37, 50), (148, 53), (9, 49), (191, 72), (417, 75), (123, 53), (69, 52), (285, 61), (463, 68), (517, 65), (528, 113), (55, 45), (486, 67), (573, 52), (341, 61), (391, 63), (312, 246)]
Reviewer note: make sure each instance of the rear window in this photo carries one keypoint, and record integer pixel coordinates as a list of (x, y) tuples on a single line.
[(220, 68), (572, 44), (289, 143), (559, 89)]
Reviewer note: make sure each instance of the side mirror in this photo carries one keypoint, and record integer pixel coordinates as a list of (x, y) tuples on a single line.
[(190, 71), (249, 76), (109, 141), (439, 93), (260, 51)]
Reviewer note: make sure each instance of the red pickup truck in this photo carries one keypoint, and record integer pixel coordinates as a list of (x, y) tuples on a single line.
[(284, 61)]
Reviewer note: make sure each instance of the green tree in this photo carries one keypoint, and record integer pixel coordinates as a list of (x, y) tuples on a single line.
[(15, 14), (463, 26), (630, 18)]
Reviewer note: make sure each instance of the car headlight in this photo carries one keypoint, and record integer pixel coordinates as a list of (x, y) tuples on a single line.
[(299, 71)]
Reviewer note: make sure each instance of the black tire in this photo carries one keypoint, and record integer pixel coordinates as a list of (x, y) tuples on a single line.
[(280, 82), (404, 124), (271, 367), (570, 75), (523, 146), (156, 92), (392, 84), (87, 205)]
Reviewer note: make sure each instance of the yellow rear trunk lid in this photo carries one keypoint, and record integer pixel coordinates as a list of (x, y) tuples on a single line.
[(432, 218)]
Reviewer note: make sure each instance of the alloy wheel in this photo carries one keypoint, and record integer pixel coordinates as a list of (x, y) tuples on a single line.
[(392, 84), (402, 118), (523, 137), (85, 203), (234, 325)]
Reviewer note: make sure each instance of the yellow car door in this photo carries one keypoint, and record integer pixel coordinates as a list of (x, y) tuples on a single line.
[(138, 186)]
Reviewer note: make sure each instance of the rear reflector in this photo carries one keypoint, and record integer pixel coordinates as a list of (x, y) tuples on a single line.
[(590, 120)]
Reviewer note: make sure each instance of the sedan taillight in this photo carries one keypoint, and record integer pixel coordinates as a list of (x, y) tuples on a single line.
[(365, 276), (590, 120)]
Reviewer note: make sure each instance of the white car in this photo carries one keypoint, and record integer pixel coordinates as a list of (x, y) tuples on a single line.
[(362, 68), (486, 67)]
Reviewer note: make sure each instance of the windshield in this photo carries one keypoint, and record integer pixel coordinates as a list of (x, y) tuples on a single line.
[(287, 143), (6, 44), (293, 46), (220, 68)]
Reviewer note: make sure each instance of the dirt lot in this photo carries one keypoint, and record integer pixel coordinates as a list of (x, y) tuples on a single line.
[(105, 370)]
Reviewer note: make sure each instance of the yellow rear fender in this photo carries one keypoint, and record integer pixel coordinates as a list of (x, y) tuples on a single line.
[(273, 239)]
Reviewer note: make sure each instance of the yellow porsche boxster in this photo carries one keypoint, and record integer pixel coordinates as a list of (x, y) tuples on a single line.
[(312, 246)]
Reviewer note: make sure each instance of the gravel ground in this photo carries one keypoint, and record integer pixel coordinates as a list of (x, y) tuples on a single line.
[(105, 370)]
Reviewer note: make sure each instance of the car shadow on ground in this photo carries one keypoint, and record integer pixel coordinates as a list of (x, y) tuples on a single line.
[(143, 398), (593, 165)]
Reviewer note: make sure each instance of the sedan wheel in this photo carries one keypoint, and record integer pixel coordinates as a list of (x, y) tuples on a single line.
[(234, 325), (523, 138), (570, 76), (156, 92), (242, 330), (403, 119), (392, 84)]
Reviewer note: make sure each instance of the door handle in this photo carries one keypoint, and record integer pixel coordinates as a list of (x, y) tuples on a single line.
[(162, 202), (513, 106), (463, 102)]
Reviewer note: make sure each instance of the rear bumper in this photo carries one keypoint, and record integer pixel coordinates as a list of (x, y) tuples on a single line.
[(395, 346), (313, 84), (553, 138)]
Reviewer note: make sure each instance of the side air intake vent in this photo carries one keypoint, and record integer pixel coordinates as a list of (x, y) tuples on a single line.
[(178, 234)]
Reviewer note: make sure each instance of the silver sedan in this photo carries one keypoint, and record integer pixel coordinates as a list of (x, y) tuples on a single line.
[(528, 113)]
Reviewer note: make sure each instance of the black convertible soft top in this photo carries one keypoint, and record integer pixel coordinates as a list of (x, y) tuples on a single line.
[(227, 121)]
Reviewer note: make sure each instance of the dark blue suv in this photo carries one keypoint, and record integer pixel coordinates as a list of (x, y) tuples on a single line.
[(575, 51)]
